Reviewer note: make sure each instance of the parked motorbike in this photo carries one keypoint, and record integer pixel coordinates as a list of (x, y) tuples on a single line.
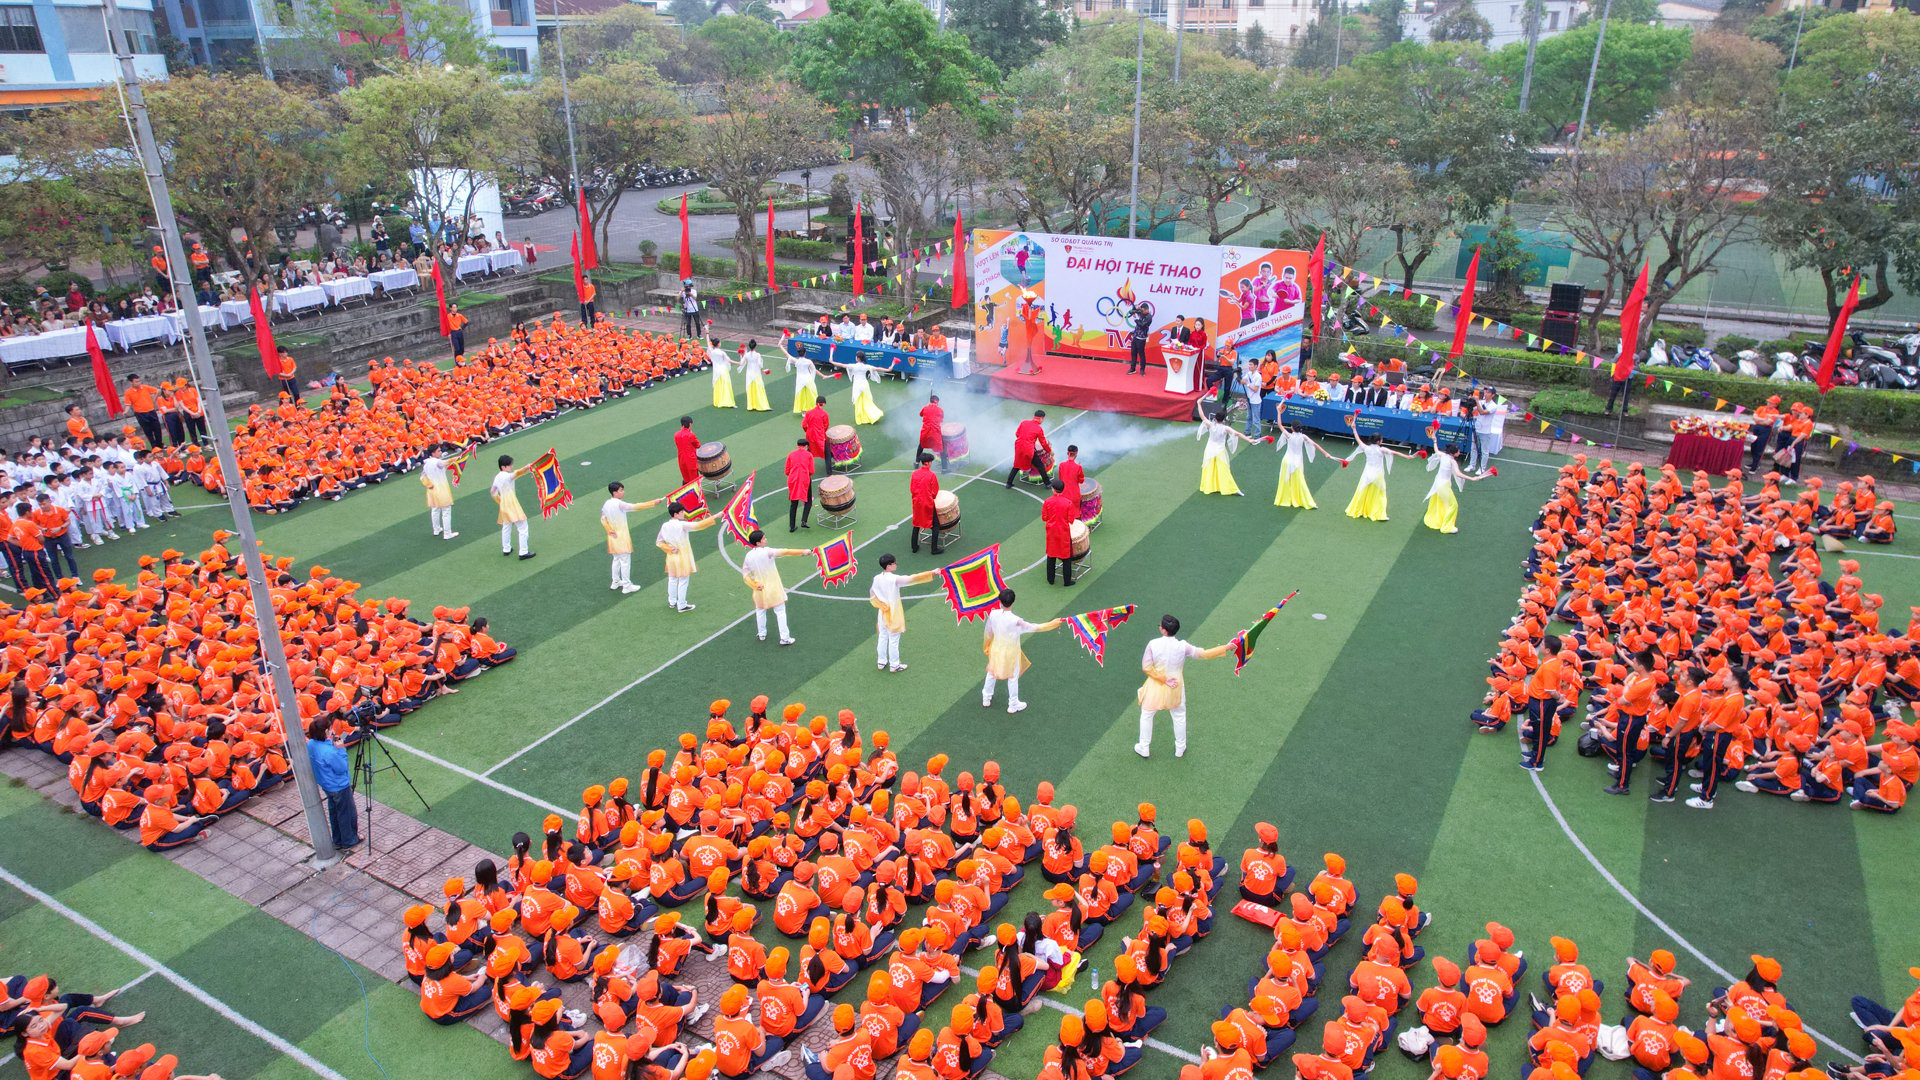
[(1747, 362)]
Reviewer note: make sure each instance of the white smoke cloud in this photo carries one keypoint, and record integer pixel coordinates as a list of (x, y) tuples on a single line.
[(1102, 437)]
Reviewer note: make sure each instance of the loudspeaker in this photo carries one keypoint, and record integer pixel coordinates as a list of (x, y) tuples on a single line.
[(1560, 327), (1566, 296)]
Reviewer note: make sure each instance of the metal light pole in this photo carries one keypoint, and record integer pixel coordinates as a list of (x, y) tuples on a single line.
[(1139, 82), (1179, 38), (273, 650), (1533, 42), (1339, 29), (806, 179), (1593, 70), (1798, 25), (566, 105)]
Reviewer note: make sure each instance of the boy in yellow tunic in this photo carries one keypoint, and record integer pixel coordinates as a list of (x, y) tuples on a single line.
[(675, 541), (891, 622), (433, 477), (1165, 664), (613, 518), (760, 568), (511, 516), (1005, 660)]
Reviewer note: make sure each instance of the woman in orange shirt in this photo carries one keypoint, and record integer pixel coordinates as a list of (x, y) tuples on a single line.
[(446, 994)]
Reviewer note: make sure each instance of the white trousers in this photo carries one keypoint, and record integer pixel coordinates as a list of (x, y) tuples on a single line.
[(442, 518), (1179, 714), (677, 590), (622, 565), (1013, 691), (506, 532), (888, 652), (779, 616)]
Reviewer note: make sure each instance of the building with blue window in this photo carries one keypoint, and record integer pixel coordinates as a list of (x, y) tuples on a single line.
[(53, 51)]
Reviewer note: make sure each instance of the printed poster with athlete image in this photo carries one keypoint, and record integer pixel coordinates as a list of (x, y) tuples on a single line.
[(1037, 293)]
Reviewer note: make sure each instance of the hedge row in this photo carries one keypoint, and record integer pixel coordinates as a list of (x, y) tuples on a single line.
[(792, 247), (697, 205), (703, 265)]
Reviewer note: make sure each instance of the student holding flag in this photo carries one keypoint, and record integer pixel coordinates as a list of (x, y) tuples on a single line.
[(891, 622), (1164, 664), (613, 518), (1005, 659), (511, 515), (434, 477), (675, 541), (761, 571)]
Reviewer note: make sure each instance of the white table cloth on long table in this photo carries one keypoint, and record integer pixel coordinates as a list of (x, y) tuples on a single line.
[(345, 289), (50, 345), (210, 319), (129, 334), (505, 259), (394, 280), (235, 313), (478, 263), (287, 301)]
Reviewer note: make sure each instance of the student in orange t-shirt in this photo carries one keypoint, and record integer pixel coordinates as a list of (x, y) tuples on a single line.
[(1543, 703), (457, 334), (143, 400), (29, 548), (77, 426), (739, 1044)]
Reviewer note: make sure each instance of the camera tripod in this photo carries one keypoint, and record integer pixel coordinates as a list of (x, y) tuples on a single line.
[(364, 770)]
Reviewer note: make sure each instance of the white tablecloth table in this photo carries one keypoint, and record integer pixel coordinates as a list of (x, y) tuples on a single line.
[(210, 319), (467, 265), (345, 289), (51, 345), (235, 313), (505, 259), (128, 334), (395, 280), (288, 301)]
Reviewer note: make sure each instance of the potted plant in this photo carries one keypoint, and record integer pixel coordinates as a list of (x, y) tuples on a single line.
[(649, 253)]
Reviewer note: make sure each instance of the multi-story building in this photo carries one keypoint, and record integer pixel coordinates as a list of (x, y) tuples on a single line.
[(1507, 17), (57, 50)]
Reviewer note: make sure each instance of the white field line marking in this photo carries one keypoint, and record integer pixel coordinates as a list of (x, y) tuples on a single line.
[(1659, 923), (155, 967), (496, 785), (710, 638), (148, 974)]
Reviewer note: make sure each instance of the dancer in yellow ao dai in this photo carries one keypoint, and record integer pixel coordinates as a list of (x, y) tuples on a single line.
[(1216, 472), (1298, 448), (865, 409), (1443, 506), (806, 388), (1370, 498), (722, 374), (754, 367)]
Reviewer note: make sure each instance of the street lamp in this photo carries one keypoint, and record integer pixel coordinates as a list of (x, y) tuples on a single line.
[(806, 179)]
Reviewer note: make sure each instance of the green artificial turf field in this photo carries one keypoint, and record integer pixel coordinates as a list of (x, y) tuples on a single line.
[(1348, 730)]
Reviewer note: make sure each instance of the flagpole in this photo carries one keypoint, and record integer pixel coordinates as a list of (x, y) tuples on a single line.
[(1139, 80), (273, 652)]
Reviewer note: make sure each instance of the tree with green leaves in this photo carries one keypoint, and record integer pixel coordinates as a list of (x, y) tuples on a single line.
[(914, 173), (1730, 71), (761, 130), (889, 56), (243, 155), (625, 117), (1637, 66), (1257, 48), (1390, 17), (1460, 21), (1842, 197), (360, 39), (1337, 34), (1235, 134), (448, 132), (743, 49), (1009, 33), (689, 13)]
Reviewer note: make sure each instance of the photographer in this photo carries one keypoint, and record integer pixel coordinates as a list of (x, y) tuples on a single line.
[(331, 772)]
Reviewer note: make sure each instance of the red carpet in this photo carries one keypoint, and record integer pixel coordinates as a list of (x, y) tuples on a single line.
[(1100, 385)]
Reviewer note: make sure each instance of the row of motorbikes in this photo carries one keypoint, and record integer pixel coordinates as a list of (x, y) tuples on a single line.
[(1891, 365), (531, 198)]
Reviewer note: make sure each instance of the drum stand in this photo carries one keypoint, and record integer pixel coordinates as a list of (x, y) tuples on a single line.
[(1085, 562), (848, 467), (837, 520), (947, 536), (715, 485)]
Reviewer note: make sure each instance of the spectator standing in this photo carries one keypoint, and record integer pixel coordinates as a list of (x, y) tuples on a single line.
[(335, 778)]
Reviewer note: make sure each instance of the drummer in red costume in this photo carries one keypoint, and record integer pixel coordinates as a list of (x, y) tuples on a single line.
[(1031, 450), (686, 446), (1058, 514), (932, 416), (1071, 474), (923, 487), (814, 424), (799, 484)]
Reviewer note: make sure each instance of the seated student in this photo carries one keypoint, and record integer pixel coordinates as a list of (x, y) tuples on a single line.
[(848, 1057), (1876, 1020), (1264, 874), (740, 1047), (853, 939), (1395, 925), (415, 940), (1067, 925), (1879, 528), (1655, 975), (786, 1008), (796, 902), (160, 828), (1362, 1029), (746, 958), (1311, 932), (1562, 1031), (558, 1052), (1124, 868), (446, 993), (824, 970), (1379, 980), (1230, 1061), (671, 943), (1568, 975), (1504, 956), (1654, 1039), (883, 1021), (957, 1054), (920, 972), (993, 1021), (619, 914), (918, 1064), (568, 953), (1489, 989)]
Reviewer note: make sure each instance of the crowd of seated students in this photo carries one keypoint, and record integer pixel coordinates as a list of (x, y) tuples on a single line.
[(1702, 632), (814, 824), (290, 453), (152, 693), (72, 1035)]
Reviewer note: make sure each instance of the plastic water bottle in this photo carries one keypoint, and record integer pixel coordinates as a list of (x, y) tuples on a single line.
[(1093, 976)]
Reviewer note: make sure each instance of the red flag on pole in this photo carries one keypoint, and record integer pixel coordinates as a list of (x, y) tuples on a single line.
[(959, 263), (1316, 274), (102, 379), (1630, 327), (772, 284), (859, 253), (588, 252), (1464, 317), (579, 275), (1838, 334), (440, 297), (263, 333), (686, 242)]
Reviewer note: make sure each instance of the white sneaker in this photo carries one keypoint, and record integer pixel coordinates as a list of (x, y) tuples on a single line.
[(1799, 796), (684, 608), (113, 536), (694, 1016), (1747, 786), (986, 703), (624, 589), (1142, 751), (1699, 804), (1015, 706), (774, 1063), (786, 641), (882, 667), (763, 637), (898, 667), (451, 535), (616, 585), (1179, 751)]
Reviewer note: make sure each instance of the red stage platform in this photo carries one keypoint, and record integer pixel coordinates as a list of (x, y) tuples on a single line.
[(1100, 385)]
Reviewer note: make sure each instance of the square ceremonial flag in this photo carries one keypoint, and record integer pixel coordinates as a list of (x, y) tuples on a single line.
[(835, 559), (1090, 629), (548, 483), (1243, 641), (974, 583), (738, 514), (458, 462), (689, 498)]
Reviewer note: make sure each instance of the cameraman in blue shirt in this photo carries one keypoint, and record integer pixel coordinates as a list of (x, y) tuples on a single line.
[(335, 777)]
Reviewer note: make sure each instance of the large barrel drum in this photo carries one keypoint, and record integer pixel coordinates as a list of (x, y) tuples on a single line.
[(713, 460), (836, 494), (946, 509)]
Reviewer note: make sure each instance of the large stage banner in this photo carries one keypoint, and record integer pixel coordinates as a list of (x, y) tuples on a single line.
[(1083, 296)]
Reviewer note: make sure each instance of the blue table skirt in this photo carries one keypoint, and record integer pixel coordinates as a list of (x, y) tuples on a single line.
[(1393, 425), (886, 357)]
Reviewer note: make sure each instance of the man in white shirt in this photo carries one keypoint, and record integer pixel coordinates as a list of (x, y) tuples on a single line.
[(863, 330), (843, 327), (891, 619), (1165, 664), (1005, 660)]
